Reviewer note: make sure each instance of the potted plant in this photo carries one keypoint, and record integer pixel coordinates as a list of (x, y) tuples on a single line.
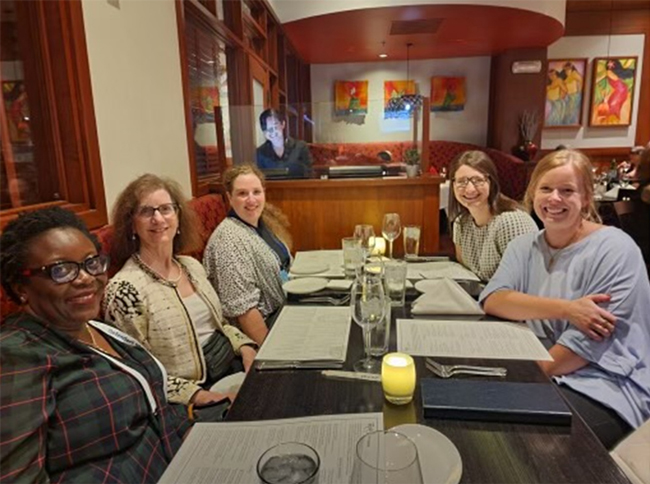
[(412, 161)]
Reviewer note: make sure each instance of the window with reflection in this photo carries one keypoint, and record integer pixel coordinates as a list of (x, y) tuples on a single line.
[(208, 84), (50, 152)]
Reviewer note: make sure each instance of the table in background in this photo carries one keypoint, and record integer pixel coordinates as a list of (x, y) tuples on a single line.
[(491, 451), (321, 212)]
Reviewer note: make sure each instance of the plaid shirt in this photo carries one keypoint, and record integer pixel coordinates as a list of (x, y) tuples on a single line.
[(68, 415)]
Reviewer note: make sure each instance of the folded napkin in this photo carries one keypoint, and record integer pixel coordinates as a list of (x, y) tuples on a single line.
[(613, 193), (445, 296), (339, 284)]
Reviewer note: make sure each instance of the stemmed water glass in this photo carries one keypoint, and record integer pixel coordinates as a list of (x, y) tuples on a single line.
[(366, 235), (390, 229), (368, 305)]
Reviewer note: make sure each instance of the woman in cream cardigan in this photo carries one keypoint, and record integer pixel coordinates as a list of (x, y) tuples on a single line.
[(165, 301)]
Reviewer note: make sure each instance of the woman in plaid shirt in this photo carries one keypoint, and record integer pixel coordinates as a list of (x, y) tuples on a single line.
[(79, 400)]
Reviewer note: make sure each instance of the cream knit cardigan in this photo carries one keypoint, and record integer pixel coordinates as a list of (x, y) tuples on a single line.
[(151, 310)]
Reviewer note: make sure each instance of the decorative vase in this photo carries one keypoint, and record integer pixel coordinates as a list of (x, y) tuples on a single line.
[(412, 171), (531, 149)]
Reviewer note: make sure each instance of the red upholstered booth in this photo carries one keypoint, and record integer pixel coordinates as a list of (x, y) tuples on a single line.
[(211, 210), (513, 173)]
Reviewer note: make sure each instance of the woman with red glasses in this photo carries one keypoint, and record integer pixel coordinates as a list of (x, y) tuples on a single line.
[(79, 400)]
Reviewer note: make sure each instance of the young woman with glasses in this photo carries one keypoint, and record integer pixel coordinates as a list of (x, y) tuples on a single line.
[(164, 300), (484, 220), (79, 400)]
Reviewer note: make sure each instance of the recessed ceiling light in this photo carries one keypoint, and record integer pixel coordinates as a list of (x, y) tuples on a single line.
[(383, 56)]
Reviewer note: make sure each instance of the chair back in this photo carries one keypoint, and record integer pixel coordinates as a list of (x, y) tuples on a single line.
[(633, 455)]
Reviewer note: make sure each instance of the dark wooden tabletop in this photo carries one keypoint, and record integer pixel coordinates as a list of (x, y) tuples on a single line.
[(491, 452)]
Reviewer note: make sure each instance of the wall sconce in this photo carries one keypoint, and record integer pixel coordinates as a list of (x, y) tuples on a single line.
[(527, 67)]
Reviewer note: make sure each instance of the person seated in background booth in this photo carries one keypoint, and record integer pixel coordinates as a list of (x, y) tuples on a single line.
[(585, 286), (164, 300), (279, 151), (80, 401), (484, 220), (248, 254)]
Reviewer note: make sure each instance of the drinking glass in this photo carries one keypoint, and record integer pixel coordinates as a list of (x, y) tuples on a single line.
[(293, 462), (386, 457), (366, 235), (368, 306), (352, 254), (411, 241), (390, 229), (395, 279)]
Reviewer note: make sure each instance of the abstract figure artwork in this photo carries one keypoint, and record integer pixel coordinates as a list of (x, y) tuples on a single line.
[(612, 91), (564, 92), (394, 104), (351, 97), (447, 94)]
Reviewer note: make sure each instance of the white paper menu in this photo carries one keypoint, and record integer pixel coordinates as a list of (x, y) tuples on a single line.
[(307, 337), (227, 452), (469, 339)]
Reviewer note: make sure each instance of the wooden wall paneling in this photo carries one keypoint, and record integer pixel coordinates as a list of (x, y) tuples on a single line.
[(511, 95), (623, 22), (321, 212)]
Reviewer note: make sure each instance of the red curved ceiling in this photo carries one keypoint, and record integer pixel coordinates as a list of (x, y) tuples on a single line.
[(463, 31)]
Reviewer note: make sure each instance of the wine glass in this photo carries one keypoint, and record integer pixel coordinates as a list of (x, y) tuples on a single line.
[(386, 457), (366, 235), (368, 306), (391, 229)]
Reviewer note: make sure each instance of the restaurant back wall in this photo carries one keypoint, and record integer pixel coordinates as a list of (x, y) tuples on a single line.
[(469, 125)]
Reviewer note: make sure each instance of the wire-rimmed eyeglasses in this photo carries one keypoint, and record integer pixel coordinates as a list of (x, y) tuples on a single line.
[(166, 210)]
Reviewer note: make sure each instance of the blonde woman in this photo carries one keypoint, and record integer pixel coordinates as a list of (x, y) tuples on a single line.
[(585, 285)]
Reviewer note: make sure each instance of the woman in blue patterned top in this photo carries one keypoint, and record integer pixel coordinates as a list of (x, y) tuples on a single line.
[(79, 400)]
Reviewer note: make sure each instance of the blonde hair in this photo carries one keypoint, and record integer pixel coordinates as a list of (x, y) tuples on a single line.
[(125, 242), (276, 221), (582, 167)]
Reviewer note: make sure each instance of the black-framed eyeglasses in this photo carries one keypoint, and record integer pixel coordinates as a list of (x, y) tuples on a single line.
[(67, 271), (477, 181), (166, 210)]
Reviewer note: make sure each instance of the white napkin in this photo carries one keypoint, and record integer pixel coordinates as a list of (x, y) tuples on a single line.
[(339, 284), (613, 193), (445, 296)]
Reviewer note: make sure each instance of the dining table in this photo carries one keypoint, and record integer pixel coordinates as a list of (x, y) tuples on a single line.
[(491, 451)]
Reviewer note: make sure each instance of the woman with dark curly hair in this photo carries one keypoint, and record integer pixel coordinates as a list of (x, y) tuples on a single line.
[(79, 400), (165, 300)]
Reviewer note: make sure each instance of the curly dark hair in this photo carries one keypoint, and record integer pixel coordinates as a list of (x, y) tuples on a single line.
[(127, 203), (17, 235)]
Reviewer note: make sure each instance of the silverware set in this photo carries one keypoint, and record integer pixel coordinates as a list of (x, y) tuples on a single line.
[(447, 371), (334, 301)]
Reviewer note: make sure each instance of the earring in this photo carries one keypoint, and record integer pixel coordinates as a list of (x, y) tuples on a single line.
[(133, 237), (22, 299), (178, 232)]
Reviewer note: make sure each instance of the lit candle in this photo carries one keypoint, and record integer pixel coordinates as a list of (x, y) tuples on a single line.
[(379, 246), (398, 378)]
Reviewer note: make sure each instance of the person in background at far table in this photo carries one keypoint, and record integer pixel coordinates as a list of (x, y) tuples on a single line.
[(80, 401), (585, 286), (165, 301), (484, 220), (280, 152), (247, 257)]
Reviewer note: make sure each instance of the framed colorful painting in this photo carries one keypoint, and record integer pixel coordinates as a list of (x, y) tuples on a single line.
[(351, 97), (447, 93), (612, 91), (565, 85), (17, 110), (394, 106)]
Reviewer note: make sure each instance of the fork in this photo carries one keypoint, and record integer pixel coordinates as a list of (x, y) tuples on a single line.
[(447, 371), (327, 299)]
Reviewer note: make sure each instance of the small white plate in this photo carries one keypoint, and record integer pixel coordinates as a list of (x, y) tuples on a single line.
[(229, 384), (427, 285), (439, 458), (314, 267), (305, 285)]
